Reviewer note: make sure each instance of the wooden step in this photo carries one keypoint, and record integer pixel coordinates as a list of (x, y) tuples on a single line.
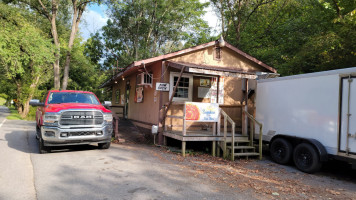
[(238, 139), (246, 154), (241, 147)]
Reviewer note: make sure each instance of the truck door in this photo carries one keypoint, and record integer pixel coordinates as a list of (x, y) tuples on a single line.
[(348, 115)]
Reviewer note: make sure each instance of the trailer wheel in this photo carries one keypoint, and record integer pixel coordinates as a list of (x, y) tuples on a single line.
[(306, 158), (281, 151)]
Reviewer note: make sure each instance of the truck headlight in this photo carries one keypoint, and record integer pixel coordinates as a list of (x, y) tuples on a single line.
[(51, 119), (108, 118)]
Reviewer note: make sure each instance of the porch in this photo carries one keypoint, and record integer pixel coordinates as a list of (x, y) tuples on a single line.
[(222, 132)]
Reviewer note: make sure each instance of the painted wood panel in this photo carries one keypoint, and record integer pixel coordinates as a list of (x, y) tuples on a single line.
[(229, 59)]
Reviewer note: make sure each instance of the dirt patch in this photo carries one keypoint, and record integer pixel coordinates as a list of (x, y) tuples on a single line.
[(130, 133), (260, 179)]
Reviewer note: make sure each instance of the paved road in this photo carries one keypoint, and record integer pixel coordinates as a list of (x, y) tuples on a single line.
[(16, 174), (121, 172)]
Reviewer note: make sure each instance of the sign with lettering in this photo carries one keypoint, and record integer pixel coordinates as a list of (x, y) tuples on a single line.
[(202, 112), (162, 87)]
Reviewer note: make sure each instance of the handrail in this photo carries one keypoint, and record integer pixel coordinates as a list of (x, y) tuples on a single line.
[(260, 133), (228, 118)]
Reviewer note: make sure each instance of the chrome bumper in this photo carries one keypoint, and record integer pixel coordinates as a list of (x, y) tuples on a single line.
[(52, 135)]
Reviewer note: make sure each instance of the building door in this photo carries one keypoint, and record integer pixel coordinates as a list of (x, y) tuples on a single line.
[(348, 115), (127, 95)]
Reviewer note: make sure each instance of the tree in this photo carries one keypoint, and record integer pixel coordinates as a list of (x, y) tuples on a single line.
[(26, 54), (237, 14), (141, 29), (296, 36), (52, 10)]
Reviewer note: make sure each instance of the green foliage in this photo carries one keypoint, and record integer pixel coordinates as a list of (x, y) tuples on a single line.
[(22, 45), (85, 70), (26, 55), (296, 36), (142, 29), (2, 101)]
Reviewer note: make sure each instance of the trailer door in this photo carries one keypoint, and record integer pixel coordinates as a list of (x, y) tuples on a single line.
[(348, 115)]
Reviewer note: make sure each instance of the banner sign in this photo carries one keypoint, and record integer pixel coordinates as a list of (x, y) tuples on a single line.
[(162, 87), (201, 112)]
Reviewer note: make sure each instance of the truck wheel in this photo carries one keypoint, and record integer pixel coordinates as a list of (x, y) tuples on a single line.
[(43, 149), (38, 132), (104, 145), (306, 158), (281, 151)]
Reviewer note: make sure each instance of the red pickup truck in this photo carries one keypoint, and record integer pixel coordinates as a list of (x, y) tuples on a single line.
[(68, 117)]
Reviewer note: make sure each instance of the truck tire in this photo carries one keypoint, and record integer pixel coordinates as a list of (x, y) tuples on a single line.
[(38, 132), (43, 149), (104, 145), (281, 151), (306, 158)]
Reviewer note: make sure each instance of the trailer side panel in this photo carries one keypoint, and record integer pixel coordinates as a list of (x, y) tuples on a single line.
[(305, 107)]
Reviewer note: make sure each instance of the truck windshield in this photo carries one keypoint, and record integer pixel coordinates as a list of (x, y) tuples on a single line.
[(72, 97)]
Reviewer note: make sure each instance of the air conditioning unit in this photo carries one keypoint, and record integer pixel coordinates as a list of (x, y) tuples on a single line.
[(144, 79)]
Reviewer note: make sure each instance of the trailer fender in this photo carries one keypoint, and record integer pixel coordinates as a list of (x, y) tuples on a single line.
[(320, 148)]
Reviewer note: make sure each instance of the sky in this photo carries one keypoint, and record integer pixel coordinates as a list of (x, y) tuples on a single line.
[(95, 17)]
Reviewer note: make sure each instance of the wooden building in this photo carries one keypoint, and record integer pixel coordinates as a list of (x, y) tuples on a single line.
[(215, 72)]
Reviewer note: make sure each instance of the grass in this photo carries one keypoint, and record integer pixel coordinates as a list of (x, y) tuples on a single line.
[(2, 101), (14, 115)]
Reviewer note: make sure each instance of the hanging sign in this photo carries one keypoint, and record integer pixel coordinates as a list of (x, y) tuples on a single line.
[(202, 112), (162, 87), (139, 95)]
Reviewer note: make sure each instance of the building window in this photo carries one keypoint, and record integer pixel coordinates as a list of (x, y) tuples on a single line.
[(217, 53), (184, 89)]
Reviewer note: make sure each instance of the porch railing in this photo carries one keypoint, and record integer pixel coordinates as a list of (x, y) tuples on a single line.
[(227, 118), (252, 126)]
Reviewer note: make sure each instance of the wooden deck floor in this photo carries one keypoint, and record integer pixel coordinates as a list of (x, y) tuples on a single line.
[(198, 136)]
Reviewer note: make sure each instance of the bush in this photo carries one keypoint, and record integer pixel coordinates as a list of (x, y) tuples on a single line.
[(31, 114), (2, 101)]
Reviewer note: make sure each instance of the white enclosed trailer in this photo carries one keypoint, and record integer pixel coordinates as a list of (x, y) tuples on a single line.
[(309, 118)]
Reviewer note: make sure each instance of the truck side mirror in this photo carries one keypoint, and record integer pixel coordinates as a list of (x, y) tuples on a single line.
[(36, 102), (107, 103)]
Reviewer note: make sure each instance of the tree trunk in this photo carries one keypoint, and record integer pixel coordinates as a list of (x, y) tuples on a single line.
[(222, 19), (77, 14), (238, 36), (56, 73), (26, 105), (66, 72), (26, 109), (18, 94)]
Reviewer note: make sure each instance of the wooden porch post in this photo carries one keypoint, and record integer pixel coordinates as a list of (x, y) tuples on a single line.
[(245, 107), (160, 127), (183, 148), (213, 152), (163, 119)]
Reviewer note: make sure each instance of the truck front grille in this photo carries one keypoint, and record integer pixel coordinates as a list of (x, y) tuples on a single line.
[(81, 118), (83, 133)]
